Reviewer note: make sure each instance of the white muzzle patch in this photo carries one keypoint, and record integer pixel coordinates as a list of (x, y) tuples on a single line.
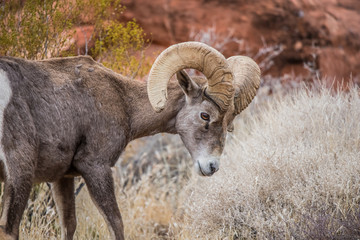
[(206, 164)]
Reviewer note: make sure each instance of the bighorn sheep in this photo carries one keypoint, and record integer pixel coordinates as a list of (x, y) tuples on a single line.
[(67, 117)]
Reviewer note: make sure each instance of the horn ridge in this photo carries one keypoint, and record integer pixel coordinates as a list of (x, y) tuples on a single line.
[(246, 80), (194, 55)]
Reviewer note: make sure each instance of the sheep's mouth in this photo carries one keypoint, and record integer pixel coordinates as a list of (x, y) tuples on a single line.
[(202, 173)]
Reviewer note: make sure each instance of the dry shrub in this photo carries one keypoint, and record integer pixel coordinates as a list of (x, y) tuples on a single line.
[(40, 219), (150, 199), (290, 171)]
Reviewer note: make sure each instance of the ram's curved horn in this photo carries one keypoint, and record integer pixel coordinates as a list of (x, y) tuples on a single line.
[(246, 80), (191, 55)]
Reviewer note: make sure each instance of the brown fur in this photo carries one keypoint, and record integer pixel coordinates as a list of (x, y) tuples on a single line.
[(73, 116)]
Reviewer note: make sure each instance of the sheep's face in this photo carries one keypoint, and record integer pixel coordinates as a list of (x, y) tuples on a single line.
[(201, 126)]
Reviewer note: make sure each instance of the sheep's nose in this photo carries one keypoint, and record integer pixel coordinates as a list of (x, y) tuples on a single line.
[(213, 168)]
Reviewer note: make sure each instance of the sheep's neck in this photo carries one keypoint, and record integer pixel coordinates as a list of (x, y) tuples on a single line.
[(144, 121)]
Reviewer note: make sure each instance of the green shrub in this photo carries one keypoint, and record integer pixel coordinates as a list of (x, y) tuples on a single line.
[(124, 56), (35, 29), (39, 29)]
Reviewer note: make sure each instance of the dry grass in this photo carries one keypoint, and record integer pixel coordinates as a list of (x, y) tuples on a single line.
[(290, 170)]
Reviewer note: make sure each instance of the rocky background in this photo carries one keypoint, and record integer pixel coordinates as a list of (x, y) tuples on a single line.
[(301, 37)]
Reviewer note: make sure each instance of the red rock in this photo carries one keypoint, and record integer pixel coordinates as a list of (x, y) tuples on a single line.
[(333, 62), (330, 28), (298, 46)]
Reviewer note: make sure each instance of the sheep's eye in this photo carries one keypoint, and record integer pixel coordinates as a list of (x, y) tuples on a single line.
[(205, 116)]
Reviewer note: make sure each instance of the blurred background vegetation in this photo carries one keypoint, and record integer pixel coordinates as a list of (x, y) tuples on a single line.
[(41, 29)]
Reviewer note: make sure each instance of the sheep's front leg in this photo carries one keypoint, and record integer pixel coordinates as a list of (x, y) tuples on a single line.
[(100, 184), (63, 193), (16, 194), (18, 182)]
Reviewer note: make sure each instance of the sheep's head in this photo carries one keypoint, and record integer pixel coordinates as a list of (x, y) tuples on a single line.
[(212, 102)]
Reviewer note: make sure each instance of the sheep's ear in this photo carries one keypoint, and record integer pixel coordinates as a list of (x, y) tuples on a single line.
[(189, 86)]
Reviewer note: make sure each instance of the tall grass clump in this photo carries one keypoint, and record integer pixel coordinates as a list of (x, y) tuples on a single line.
[(290, 171)]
